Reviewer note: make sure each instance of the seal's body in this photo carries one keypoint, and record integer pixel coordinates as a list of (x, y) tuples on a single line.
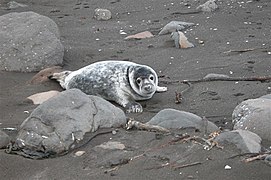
[(120, 81)]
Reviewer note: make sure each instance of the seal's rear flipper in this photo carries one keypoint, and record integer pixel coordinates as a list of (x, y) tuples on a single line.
[(60, 77)]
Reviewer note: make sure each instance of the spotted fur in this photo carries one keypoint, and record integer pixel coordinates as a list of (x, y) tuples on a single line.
[(120, 81)]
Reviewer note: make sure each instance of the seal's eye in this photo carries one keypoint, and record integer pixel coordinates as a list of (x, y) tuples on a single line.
[(151, 77), (138, 80)]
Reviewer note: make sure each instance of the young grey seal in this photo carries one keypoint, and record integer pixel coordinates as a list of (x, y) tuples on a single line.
[(120, 81)]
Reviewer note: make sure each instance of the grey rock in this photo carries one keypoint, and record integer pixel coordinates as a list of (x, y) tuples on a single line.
[(29, 42), (14, 5), (208, 6), (4, 139), (58, 124), (102, 14), (216, 76), (174, 119), (174, 26), (180, 40), (254, 115), (268, 160), (267, 96), (246, 141)]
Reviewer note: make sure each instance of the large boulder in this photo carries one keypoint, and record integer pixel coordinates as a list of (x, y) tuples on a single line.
[(254, 115), (174, 119), (58, 124), (29, 42)]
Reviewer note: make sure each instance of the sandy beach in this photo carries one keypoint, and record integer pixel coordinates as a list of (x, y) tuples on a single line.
[(233, 40)]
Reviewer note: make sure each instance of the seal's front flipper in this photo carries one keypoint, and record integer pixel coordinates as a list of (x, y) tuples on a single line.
[(133, 107)]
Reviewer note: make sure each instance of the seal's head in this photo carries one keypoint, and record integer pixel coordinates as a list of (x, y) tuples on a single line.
[(143, 80)]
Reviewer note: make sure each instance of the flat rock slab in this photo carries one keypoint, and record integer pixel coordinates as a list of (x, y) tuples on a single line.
[(141, 35), (246, 141), (29, 42), (39, 98), (59, 123), (174, 119), (254, 115), (174, 26)]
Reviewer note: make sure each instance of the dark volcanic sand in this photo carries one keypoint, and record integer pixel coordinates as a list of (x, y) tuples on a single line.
[(237, 25)]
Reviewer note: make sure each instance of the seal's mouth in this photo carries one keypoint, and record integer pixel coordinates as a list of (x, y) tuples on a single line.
[(148, 89)]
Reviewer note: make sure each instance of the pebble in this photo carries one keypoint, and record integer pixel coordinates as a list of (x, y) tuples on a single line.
[(227, 167), (102, 14), (79, 153)]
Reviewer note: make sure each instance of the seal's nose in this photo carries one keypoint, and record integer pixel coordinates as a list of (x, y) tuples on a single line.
[(148, 88)]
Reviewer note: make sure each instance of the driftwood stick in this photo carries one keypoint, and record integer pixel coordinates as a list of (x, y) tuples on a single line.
[(144, 126), (174, 165), (178, 97), (259, 78), (185, 165), (246, 50), (259, 157)]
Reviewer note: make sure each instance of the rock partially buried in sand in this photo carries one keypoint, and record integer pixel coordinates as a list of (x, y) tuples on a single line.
[(180, 40), (174, 119), (216, 76), (43, 96), (58, 124), (43, 75), (112, 145), (267, 96), (268, 160), (174, 26), (29, 42), (102, 14), (142, 35), (246, 141), (4, 139), (208, 6), (254, 115)]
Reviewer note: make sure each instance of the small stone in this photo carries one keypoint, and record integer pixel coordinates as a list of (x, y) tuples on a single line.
[(209, 6), (102, 14), (79, 153), (227, 167)]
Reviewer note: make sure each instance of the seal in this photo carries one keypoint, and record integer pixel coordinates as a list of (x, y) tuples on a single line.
[(120, 81)]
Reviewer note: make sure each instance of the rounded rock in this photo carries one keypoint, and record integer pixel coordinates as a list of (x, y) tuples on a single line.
[(102, 14)]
